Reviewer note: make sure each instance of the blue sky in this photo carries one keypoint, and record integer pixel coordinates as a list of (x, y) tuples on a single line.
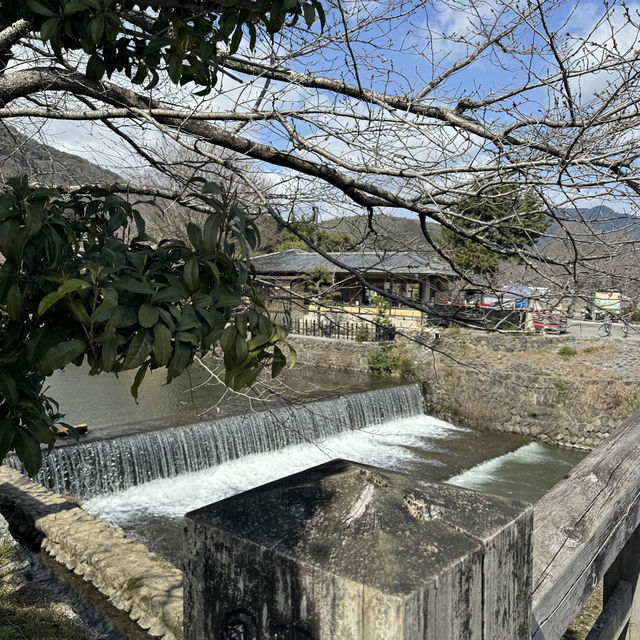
[(400, 52)]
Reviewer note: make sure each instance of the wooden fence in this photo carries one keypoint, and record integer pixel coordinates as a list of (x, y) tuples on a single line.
[(586, 531), (358, 331)]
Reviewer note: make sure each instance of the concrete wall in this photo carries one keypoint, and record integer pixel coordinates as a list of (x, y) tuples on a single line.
[(134, 580)]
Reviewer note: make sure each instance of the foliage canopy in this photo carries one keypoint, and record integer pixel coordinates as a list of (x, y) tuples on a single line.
[(503, 216), (171, 39), (80, 279)]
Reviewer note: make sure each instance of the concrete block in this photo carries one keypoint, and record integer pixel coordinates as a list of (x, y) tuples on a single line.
[(345, 551)]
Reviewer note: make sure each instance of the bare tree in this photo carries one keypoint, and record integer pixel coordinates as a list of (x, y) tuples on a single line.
[(393, 108)]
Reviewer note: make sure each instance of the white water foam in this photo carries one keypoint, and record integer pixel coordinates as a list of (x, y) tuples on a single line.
[(534, 457), (386, 445)]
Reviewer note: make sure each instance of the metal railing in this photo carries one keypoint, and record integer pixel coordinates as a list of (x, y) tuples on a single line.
[(358, 331)]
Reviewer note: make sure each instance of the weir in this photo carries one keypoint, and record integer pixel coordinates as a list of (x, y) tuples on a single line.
[(120, 463)]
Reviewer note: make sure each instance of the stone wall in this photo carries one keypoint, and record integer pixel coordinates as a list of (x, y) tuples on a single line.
[(134, 580), (333, 354), (550, 410), (510, 382), (524, 385)]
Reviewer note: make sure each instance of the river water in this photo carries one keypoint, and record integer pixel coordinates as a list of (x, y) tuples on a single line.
[(145, 482), (431, 449), (106, 405)]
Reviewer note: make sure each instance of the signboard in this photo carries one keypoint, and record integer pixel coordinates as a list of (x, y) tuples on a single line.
[(609, 300)]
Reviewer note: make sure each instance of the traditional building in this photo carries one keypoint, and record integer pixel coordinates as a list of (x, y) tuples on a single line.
[(405, 273)]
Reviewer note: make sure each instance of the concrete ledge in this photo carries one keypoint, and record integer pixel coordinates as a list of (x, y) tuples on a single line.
[(135, 580)]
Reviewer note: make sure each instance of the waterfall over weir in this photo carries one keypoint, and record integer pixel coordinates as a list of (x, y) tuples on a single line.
[(120, 463)]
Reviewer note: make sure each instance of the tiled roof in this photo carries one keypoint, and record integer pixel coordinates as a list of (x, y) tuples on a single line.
[(401, 262)]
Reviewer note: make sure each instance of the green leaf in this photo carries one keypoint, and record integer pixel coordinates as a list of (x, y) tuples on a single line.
[(137, 381), (109, 354), (252, 35), (148, 315), (195, 235), (278, 363), (7, 431), (15, 302), (49, 28), (174, 68), (106, 308), (39, 429), (236, 40), (209, 340), (180, 361), (162, 349), (11, 240), (192, 274), (74, 6), (171, 294), (186, 336), (79, 312), (28, 450), (212, 188), (60, 355), (210, 232), (139, 349), (131, 284), (214, 270), (41, 8), (68, 286), (242, 349), (9, 390), (95, 68), (96, 28), (320, 10), (140, 75), (309, 15), (294, 356)]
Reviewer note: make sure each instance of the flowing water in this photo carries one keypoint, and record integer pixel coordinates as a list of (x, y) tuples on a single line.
[(120, 463), (146, 481), (384, 428)]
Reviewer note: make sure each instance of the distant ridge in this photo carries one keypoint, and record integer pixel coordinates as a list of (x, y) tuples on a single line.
[(21, 155)]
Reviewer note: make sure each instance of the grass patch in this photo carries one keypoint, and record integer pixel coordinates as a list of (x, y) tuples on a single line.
[(7, 552), (597, 348), (25, 614), (567, 352), (29, 612)]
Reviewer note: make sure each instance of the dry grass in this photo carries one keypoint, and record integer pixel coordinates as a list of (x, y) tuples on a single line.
[(29, 612)]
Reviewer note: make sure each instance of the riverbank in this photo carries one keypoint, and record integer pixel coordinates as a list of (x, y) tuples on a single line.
[(28, 609), (570, 391)]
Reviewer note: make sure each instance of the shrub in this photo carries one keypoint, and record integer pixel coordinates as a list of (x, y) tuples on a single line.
[(382, 362), (567, 352), (361, 333), (387, 362), (632, 314)]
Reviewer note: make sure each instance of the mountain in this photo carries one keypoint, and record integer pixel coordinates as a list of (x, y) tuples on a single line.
[(20, 154), (390, 233)]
